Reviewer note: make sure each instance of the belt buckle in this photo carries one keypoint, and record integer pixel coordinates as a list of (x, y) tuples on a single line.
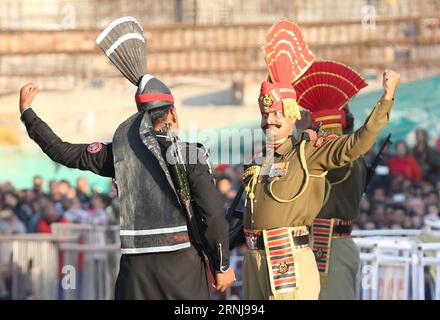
[(252, 240)]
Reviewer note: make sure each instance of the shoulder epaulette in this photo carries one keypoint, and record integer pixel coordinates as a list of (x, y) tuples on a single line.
[(332, 136), (321, 139), (309, 135)]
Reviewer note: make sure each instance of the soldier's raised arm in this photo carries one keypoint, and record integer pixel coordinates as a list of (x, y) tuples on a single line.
[(333, 152), (96, 157)]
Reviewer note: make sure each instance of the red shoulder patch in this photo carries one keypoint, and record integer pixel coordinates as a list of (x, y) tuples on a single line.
[(94, 147), (319, 142)]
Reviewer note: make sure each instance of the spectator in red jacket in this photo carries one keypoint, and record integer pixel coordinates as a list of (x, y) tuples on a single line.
[(404, 164), (428, 158), (49, 216)]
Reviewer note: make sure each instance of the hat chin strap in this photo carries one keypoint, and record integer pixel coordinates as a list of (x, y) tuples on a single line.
[(278, 142)]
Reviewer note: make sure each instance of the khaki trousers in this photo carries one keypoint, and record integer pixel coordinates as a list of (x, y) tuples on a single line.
[(342, 271), (256, 283)]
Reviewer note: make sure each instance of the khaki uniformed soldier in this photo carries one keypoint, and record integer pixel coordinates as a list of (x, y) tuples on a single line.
[(286, 192), (337, 256)]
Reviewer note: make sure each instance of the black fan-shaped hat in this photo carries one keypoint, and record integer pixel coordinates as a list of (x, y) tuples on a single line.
[(124, 44)]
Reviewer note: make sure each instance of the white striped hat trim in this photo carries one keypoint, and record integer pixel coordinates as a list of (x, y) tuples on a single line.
[(122, 39), (114, 24), (145, 78)]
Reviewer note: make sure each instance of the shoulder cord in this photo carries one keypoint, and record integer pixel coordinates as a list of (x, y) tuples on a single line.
[(303, 162), (331, 184), (250, 179)]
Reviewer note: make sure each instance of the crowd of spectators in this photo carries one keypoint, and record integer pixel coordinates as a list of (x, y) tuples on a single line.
[(33, 210), (403, 193)]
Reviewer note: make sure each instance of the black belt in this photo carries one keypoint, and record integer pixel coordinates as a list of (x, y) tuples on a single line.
[(255, 241), (342, 230)]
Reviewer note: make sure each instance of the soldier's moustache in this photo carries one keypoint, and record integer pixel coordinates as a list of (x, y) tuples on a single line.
[(271, 124)]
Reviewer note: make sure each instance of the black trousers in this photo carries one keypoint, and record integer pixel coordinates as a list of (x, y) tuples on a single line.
[(176, 275)]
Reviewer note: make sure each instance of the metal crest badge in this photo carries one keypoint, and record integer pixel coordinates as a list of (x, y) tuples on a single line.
[(279, 169), (283, 268), (266, 101), (319, 253)]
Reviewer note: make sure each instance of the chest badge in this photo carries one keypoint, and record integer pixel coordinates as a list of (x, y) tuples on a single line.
[(278, 169)]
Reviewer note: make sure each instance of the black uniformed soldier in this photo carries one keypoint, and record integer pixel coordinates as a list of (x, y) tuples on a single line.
[(159, 260), (177, 274)]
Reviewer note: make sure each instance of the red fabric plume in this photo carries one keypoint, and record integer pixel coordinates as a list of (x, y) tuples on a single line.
[(286, 53), (327, 85)]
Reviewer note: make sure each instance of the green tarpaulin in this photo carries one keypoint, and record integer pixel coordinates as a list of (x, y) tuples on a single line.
[(417, 105), (20, 164)]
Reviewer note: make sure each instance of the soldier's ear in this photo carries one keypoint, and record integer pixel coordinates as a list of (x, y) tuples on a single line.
[(172, 115)]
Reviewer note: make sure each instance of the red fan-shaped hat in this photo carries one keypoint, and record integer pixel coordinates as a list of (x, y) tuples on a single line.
[(287, 57), (286, 53), (325, 88)]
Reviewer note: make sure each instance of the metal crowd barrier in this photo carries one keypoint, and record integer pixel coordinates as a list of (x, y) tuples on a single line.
[(74, 262), (432, 225), (387, 266), (394, 264), (29, 266), (428, 255), (95, 268), (81, 262), (87, 233), (94, 259)]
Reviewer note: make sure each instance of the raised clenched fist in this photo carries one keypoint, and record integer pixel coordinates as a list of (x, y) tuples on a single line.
[(27, 94), (391, 80)]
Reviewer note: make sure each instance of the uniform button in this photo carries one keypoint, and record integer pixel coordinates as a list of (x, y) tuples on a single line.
[(259, 180)]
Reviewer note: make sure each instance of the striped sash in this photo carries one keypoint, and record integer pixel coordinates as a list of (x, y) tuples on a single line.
[(280, 257), (322, 231)]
